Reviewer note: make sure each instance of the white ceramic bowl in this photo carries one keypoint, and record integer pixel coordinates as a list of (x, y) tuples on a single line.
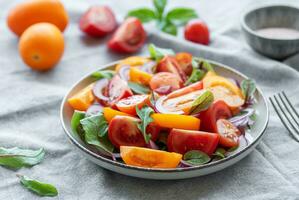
[(256, 133)]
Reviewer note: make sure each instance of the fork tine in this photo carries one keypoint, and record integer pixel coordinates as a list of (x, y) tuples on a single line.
[(291, 105), (287, 105), (282, 119)]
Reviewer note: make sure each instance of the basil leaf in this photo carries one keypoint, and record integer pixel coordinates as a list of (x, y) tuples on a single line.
[(220, 152), (233, 149), (160, 6), (75, 121), (145, 115), (248, 88), (202, 102), (95, 132), (180, 16), (103, 74), (138, 88), (168, 27), (157, 53), (42, 189), (143, 14), (17, 158), (196, 75), (196, 157)]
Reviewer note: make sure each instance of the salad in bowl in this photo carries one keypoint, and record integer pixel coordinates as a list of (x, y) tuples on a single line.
[(169, 110)]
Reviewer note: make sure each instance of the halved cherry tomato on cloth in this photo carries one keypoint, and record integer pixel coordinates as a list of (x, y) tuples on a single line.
[(182, 141), (164, 79), (128, 105), (185, 61), (118, 89), (129, 37), (176, 121), (209, 117), (197, 31), (83, 99), (110, 113), (170, 64), (144, 157), (98, 21), (229, 134), (123, 131)]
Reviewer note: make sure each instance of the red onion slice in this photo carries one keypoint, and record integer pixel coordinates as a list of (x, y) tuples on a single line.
[(124, 72), (152, 145), (98, 89), (94, 109), (164, 90), (149, 67), (161, 109)]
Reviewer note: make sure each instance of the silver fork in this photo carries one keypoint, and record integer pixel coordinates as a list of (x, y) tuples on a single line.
[(287, 113)]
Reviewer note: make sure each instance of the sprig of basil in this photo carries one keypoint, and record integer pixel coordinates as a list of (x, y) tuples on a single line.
[(196, 157), (248, 88), (145, 115), (103, 74), (144, 14), (202, 102), (180, 16), (160, 6), (40, 188), (167, 27), (220, 153), (16, 158), (158, 53), (138, 88)]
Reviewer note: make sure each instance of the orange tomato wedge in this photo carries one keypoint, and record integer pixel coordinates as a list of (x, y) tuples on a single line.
[(139, 76), (176, 121), (144, 157), (132, 61), (83, 99), (109, 113)]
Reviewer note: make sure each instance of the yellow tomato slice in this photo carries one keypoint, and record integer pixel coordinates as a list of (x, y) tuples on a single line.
[(83, 99), (109, 113), (144, 157), (176, 121), (139, 76), (132, 61)]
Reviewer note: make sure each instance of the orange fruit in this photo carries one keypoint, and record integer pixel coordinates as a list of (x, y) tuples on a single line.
[(30, 12), (41, 46)]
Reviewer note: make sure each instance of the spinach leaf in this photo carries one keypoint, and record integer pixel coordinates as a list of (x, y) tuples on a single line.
[(75, 121), (202, 102), (220, 152), (95, 132), (138, 88), (160, 6), (145, 115), (103, 74), (196, 157), (17, 158), (42, 189), (143, 14), (248, 88), (157, 53), (196, 75), (180, 16)]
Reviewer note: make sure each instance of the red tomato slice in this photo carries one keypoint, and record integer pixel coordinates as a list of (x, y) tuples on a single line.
[(185, 90), (209, 117), (154, 130), (123, 131), (118, 89), (128, 105), (164, 79), (229, 134), (169, 64), (197, 31), (98, 21), (182, 141), (129, 37), (185, 61)]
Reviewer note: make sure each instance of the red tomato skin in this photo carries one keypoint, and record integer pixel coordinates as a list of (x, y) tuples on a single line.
[(185, 61), (124, 38), (170, 64), (121, 92), (197, 31), (128, 104), (229, 134), (90, 26), (154, 130), (123, 131), (190, 88), (209, 117), (182, 141)]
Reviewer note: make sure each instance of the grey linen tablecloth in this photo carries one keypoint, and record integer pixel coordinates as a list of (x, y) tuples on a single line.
[(29, 114)]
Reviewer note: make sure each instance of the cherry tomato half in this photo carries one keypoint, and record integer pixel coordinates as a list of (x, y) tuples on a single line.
[(197, 31), (128, 105), (185, 90), (118, 89), (123, 131), (163, 79), (129, 37), (209, 117), (229, 134), (170, 64), (98, 21), (185, 61), (182, 141)]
